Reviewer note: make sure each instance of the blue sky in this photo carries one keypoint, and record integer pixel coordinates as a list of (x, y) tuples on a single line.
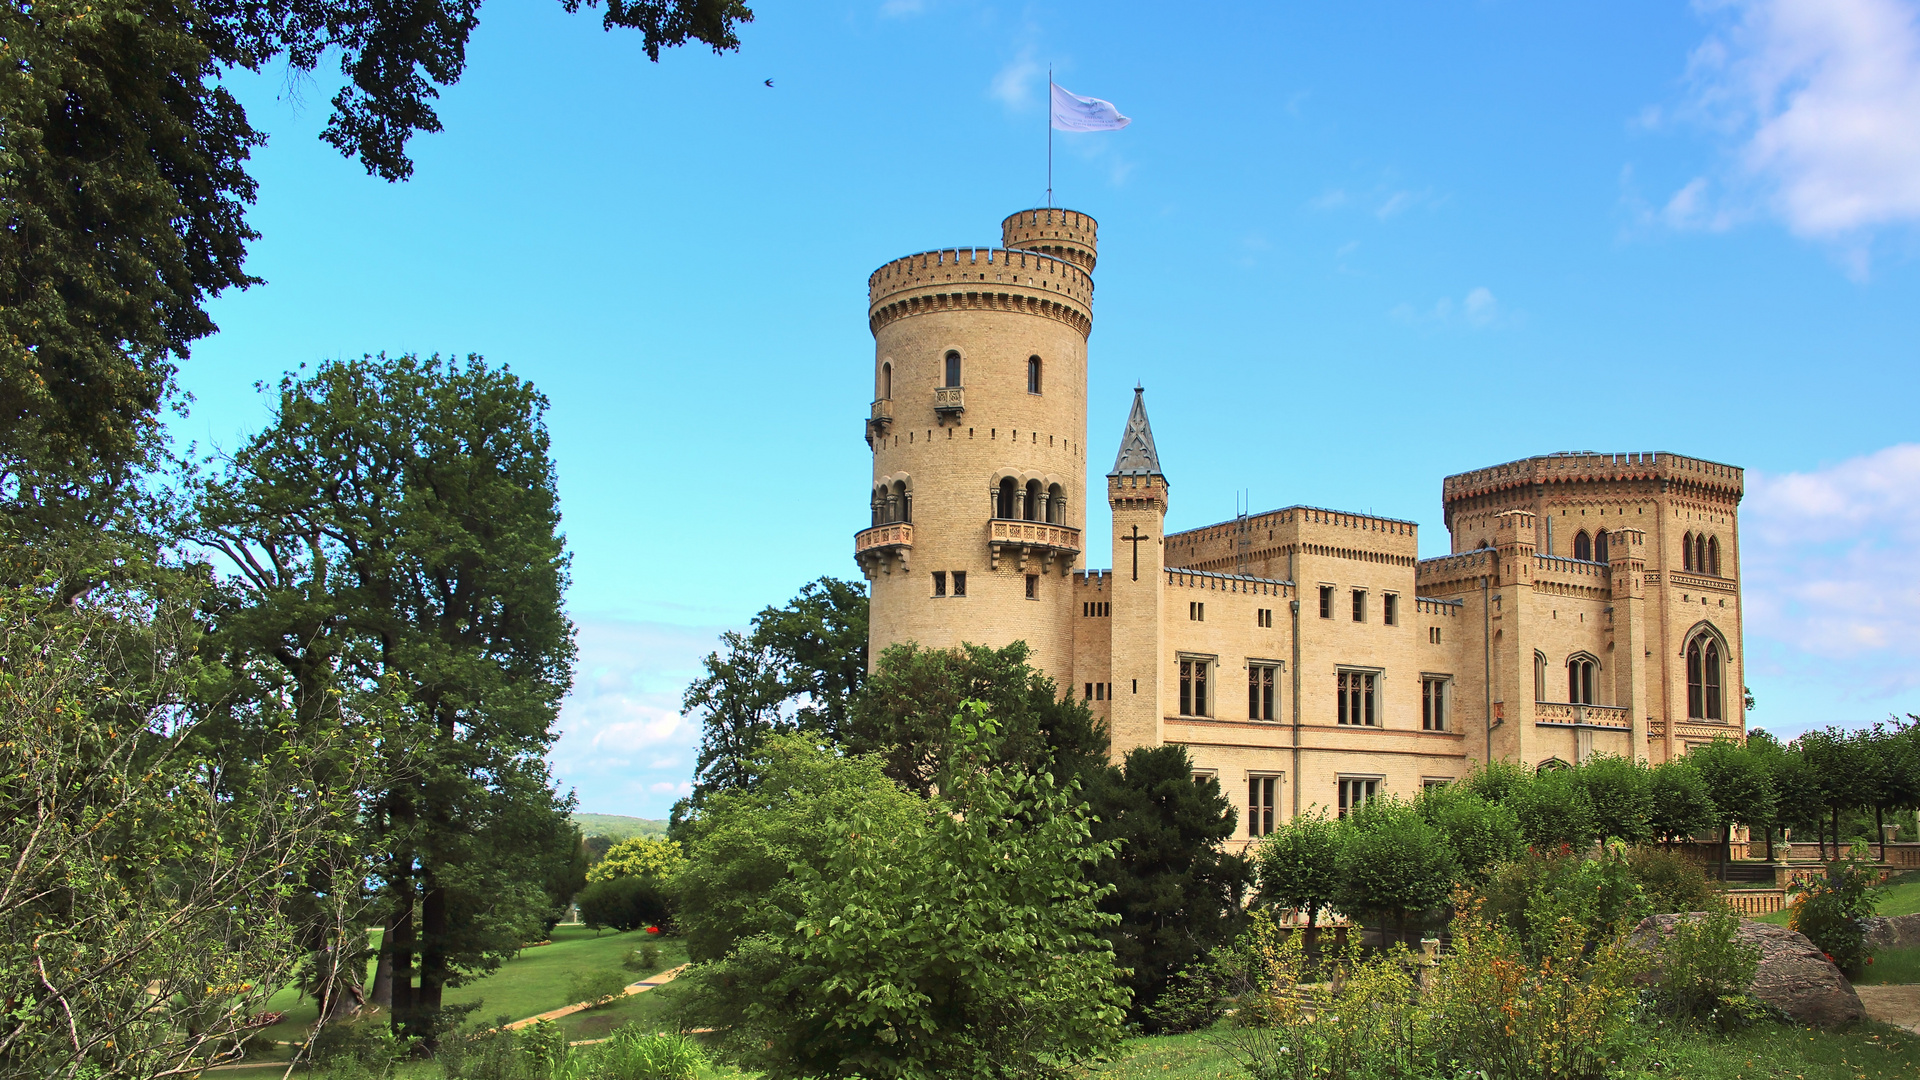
[(1348, 248)]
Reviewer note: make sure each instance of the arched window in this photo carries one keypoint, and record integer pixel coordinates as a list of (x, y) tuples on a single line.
[(953, 369), (1699, 553), (1031, 508), (1539, 676), (1686, 553), (1033, 374), (879, 506), (1552, 764), (1056, 505), (1009, 499), (1600, 546), (1580, 679), (900, 502), (1583, 546), (1704, 671), (886, 381), (1713, 556)]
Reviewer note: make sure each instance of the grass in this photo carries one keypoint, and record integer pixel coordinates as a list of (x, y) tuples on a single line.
[(1867, 1051), (1899, 896), (1892, 966)]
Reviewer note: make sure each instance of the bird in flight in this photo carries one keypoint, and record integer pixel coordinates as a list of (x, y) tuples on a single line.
[(769, 82)]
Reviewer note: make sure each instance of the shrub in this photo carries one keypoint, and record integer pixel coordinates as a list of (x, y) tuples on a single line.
[(1705, 970), (1832, 908), (535, 1052), (1554, 812), (1532, 898), (368, 1044), (1671, 882), (1392, 864), (1483, 833), (645, 959), (1558, 1010), (595, 986), (623, 903), (631, 1054)]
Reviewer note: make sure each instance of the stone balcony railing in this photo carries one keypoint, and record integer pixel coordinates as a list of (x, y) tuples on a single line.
[(881, 547), (879, 418), (1562, 714), (949, 400), (1030, 538)]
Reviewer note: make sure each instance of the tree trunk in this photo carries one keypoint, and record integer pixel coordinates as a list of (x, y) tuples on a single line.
[(434, 932), (400, 948), (1836, 832), (1880, 829), (382, 995)]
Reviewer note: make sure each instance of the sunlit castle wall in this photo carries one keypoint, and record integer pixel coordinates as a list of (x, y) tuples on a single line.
[(978, 429)]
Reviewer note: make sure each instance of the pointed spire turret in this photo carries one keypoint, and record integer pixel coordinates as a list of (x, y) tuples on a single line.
[(1137, 454)]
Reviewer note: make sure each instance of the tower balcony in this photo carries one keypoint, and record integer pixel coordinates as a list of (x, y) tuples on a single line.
[(878, 549), (1027, 539), (949, 400), (879, 418)]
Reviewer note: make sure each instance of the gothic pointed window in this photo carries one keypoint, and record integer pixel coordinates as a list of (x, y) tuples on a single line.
[(1704, 677), (1031, 509), (1686, 553), (1580, 680), (1713, 556), (1583, 546), (1699, 553), (1539, 676), (1033, 374), (1600, 546), (953, 369)]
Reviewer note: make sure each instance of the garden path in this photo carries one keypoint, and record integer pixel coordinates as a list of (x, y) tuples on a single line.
[(640, 987), (1897, 1004)]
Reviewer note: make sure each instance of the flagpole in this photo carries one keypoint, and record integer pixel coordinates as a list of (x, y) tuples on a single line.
[(1049, 112)]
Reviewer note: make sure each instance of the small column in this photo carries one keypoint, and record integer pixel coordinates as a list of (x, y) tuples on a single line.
[(1627, 559)]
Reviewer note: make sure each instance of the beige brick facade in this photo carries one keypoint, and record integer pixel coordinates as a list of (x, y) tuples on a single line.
[(1591, 604)]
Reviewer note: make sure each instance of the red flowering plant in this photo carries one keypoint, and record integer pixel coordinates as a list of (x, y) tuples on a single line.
[(1832, 910), (653, 930)]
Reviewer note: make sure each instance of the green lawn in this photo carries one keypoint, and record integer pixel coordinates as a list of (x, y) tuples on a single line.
[(1899, 896), (533, 982)]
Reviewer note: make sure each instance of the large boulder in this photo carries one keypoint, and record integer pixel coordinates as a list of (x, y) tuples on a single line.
[(1793, 976), (1893, 932)]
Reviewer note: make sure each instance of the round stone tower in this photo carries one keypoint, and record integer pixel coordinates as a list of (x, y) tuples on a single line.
[(978, 429)]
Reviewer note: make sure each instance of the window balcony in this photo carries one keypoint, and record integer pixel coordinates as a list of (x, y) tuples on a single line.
[(949, 400), (879, 419), (1564, 714), (878, 549), (1030, 538)]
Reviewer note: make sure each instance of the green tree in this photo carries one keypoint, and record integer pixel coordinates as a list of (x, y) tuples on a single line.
[(1176, 893), (123, 181), (1483, 834), (966, 943), (1496, 781), (1893, 781), (1392, 864), (1796, 789), (1554, 812), (1833, 757), (152, 900), (743, 846), (1682, 805), (904, 713), (1299, 868), (1738, 783), (397, 522), (797, 670), (1620, 790)]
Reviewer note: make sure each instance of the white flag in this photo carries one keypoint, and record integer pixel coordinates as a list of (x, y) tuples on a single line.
[(1071, 112)]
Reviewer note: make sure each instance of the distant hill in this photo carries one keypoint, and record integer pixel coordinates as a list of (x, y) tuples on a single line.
[(618, 826)]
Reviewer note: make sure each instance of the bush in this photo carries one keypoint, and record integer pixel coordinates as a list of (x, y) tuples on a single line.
[(1554, 813), (1832, 909), (645, 959), (535, 1052), (595, 986), (1484, 834), (1620, 791), (1534, 899), (1671, 882), (1705, 970), (1392, 864), (624, 903), (631, 1054), (367, 1044)]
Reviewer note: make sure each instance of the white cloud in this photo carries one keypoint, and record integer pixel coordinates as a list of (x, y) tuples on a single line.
[(1015, 84), (1479, 308), (1823, 99), (623, 744), (1832, 585)]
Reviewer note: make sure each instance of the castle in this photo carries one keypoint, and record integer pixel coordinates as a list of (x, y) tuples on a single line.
[(1591, 604)]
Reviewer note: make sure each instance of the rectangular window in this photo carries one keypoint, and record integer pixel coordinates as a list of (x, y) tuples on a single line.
[(1388, 608), (1102, 691), (1326, 601), (1261, 679), (1356, 791), (1433, 703), (1433, 634), (1033, 586), (1359, 605), (939, 583), (1264, 617), (959, 583), (1428, 783), (1193, 688), (1089, 691), (1356, 699), (1260, 800), (1196, 611)]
